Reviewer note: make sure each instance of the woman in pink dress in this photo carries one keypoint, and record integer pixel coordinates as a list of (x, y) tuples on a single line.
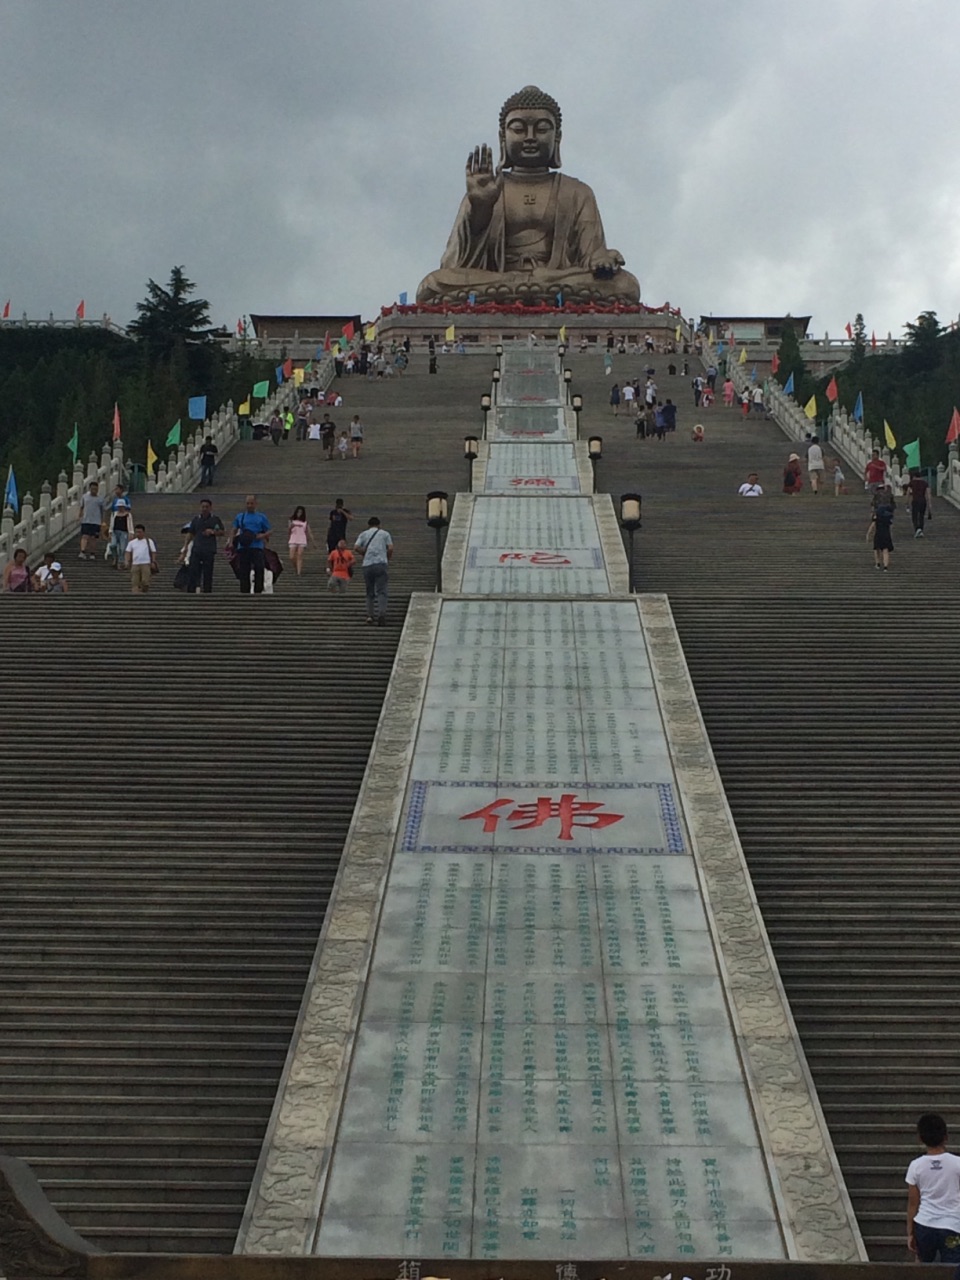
[(298, 537)]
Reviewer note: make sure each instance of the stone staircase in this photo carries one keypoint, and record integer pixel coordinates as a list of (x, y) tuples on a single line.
[(180, 773), (831, 694)]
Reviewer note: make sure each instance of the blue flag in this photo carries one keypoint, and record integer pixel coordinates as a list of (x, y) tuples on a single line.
[(197, 408), (403, 299), (279, 373), (10, 496), (788, 386), (720, 348), (753, 374), (472, 299), (559, 299), (858, 408), (318, 354)]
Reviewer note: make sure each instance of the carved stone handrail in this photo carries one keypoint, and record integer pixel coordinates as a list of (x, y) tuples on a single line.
[(34, 1240), (55, 519)]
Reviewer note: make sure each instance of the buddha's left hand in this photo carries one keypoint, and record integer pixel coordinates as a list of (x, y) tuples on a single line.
[(606, 260)]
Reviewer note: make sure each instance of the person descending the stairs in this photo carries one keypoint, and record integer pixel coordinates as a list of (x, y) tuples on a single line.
[(933, 1201), (91, 520), (204, 530), (919, 501)]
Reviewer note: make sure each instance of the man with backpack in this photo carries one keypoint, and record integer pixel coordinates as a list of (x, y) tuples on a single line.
[(881, 528), (376, 547)]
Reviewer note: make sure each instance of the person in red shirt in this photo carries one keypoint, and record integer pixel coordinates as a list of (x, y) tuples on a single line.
[(919, 501), (875, 473)]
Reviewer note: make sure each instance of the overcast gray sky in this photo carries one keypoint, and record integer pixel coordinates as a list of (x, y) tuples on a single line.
[(303, 155)]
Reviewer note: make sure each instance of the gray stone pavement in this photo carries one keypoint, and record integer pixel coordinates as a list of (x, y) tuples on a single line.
[(542, 1058)]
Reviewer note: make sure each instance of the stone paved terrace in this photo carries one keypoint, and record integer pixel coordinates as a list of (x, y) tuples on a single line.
[(529, 1032)]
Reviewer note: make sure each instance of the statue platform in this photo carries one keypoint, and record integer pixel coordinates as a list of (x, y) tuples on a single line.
[(485, 325)]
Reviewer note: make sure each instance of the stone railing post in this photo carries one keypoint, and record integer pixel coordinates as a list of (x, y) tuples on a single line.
[(92, 465), (26, 522), (6, 524)]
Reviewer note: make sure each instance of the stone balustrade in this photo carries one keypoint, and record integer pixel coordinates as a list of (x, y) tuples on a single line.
[(56, 519), (849, 439)]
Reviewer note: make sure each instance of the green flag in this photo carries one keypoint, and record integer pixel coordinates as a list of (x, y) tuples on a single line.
[(261, 390), (911, 453), (308, 367), (174, 436), (73, 444), (343, 344)]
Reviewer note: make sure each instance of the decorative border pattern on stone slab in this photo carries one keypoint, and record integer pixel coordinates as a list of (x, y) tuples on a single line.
[(611, 540), (819, 1222), (455, 547), (284, 1203)]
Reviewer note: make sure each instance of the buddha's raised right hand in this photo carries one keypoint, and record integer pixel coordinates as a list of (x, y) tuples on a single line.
[(484, 183)]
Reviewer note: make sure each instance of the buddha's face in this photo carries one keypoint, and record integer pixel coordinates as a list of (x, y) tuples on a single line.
[(530, 139)]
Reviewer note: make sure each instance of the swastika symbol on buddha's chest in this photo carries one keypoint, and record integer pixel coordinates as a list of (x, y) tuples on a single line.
[(529, 198)]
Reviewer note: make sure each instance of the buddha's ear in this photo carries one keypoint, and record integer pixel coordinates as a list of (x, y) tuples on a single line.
[(503, 150), (555, 158)]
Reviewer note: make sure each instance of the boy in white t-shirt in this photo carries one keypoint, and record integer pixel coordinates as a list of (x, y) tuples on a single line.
[(751, 487), (933, 1201), (141, 560)]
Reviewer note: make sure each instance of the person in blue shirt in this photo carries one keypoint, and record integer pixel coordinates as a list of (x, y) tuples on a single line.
[(251, 532)]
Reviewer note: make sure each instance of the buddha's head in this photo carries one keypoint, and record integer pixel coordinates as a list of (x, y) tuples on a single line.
[(530, 130)]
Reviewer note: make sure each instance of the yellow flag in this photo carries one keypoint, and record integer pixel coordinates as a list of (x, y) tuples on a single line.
[(888, 435), (563, 333), (450, 334), (297, 377), (243, 410), (370, 333), (743, 355), (677, 332), (810, 408), (151, 458)]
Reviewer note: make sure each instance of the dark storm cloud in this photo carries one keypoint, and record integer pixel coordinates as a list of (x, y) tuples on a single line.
[(309, 155)]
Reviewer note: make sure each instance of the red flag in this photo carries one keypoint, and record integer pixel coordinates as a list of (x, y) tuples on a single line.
[(81, 310), (239, 328), (326, 341), (774, 363), (288, 368), (849, 330), (6, 310), (348, 331), (873, 340), (116, 421), (953, 431), (833, 390)]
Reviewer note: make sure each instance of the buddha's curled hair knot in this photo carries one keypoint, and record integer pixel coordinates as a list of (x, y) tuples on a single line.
[(530, 98)]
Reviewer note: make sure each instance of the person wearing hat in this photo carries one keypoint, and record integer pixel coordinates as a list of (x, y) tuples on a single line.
[(55, 584), (120, 523), (792, 475)]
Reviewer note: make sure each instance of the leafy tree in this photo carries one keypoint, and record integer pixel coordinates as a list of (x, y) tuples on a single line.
[(170, 318), (859, 353), (923, 351)]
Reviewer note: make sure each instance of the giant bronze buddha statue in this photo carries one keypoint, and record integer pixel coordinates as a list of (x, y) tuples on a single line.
[(525, 232)]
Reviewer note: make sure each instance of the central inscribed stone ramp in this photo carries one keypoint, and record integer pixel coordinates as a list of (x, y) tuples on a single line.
[(545, 1066)]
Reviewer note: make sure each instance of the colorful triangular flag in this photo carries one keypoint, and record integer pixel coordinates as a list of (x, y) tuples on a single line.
[(563, 333), (810, 408), (849, 328), (10, 496), (911, 453), (308, 367), (261, 389), (196, 409), (370, 333), (288, 368), (858, 408), (348, 331), (677, 332), (326, 342), (743, 356), (173, 435), (73, 444), (888, 435), (116, 421), (298, 376), (832, 391), (788, 386), (243, 410), (953, 431), (279, 372), (240, 329), (81, 310), (450, 334), (151, 458), (774, 362)]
